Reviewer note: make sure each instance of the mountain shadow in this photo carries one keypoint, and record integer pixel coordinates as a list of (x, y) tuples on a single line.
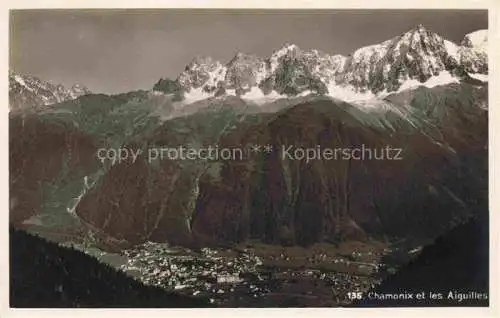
[(46, 275), (456, 262)]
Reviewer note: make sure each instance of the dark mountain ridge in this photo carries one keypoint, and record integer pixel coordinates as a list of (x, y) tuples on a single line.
[(456, 263), (46, 275), (441, 131), (438, 182)]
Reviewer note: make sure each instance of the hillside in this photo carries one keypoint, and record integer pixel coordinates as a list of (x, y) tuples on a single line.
[(456, 262), (44, 274)]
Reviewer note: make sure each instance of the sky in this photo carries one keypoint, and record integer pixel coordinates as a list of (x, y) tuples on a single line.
[(114, 51)]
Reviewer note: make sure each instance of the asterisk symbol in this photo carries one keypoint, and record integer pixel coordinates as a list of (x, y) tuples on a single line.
[(268, 148), (255, 148)]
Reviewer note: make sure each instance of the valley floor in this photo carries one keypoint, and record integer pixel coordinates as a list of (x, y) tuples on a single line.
[(263, 275), (258, 275)]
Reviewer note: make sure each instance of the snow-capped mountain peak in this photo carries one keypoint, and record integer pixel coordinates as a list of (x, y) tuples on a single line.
[(78, 90), (202, 71), (285, 49), (30, 91), (245, 71), (413, 58), (474, 52), (420, 28), (417, 54), (478, 39)]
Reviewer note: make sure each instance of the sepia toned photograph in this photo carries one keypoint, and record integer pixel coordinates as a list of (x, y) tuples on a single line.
[(187, 158)]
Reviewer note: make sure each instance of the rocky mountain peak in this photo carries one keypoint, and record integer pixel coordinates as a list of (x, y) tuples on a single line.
[(420, 27), (285, 49), (79, 89), (30, 91), (244, 71), (478, 39), (420, 35), (473, 53), (418, 54), (200, 71), (408, 60), (242, 58), (201, 60)]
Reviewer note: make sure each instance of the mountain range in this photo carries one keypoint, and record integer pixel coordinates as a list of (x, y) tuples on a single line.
[(29, 91), (414, 58), (417, 92)]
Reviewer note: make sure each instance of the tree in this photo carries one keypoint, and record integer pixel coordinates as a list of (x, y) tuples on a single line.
[(167, 86)]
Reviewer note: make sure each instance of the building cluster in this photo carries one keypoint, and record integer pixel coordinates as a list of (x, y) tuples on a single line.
[(225, 275)]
